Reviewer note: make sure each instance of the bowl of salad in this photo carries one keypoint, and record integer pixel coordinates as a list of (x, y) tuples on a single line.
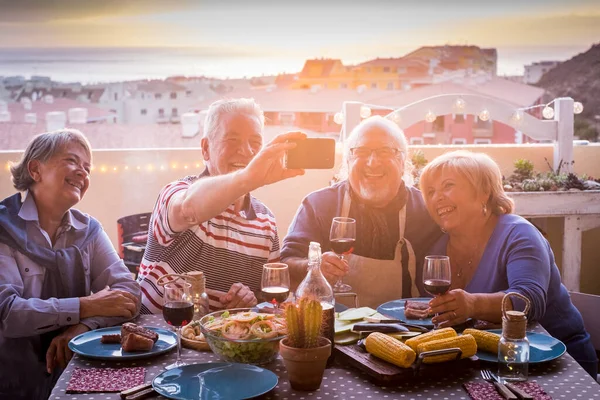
[(244, 336)]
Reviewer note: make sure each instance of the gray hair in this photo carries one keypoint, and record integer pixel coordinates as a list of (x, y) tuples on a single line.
[(42, 148), (392, 129), (220, 108)]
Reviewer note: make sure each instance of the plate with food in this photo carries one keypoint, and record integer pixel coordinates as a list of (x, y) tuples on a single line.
[(193, 338), (126, 342), (411, 311)]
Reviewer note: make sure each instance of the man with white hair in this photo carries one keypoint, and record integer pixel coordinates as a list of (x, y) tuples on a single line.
[(393, 228), (210, 222)]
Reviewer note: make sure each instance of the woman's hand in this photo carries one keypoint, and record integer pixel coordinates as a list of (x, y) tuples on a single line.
[(453, 308), (333, 267), (59, 354), (108, 303)]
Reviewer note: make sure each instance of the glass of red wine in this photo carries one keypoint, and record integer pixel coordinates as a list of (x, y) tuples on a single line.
[(437, 275), (275, 285), (342, 237), (178, 310)]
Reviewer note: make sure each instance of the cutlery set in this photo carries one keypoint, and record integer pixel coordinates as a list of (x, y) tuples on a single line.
[(508, 390)]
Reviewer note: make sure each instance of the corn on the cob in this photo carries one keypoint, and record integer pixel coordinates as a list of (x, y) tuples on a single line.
[(465, 342), (429, 336), (389, 349), (486, 341)]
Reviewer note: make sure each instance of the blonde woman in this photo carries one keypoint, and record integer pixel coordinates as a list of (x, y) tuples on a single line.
[(493, 251)]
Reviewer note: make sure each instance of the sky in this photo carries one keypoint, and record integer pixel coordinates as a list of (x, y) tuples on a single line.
[(348, 29)]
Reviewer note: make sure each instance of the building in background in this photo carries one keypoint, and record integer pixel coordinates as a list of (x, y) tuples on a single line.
[(534, 72)]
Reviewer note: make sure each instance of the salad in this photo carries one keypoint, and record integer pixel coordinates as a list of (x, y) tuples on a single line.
[(244, 336)]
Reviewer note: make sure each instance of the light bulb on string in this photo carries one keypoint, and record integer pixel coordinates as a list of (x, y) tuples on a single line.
[(517, 117), (577, 107), (548, 112), (459, 104), (484, 115), (430, 116), (365, 112), (396, 117), (338, 118), (126, 167)]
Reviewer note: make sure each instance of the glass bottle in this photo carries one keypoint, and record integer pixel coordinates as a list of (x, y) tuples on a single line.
[(513, 349), (199, 296), (315, 285)]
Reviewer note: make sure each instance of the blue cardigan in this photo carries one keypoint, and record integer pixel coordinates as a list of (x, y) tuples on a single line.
[(517, 258)]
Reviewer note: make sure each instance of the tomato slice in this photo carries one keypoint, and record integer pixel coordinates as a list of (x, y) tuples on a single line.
[(247, 316), (236, 330), (263, 329)]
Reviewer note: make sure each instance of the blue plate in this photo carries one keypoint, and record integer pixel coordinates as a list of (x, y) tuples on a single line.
[(88, 345), (214, 381), (395, 309), (542, 348)]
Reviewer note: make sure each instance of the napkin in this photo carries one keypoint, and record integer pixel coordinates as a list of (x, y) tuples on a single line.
[(487, 391), (105, 379)]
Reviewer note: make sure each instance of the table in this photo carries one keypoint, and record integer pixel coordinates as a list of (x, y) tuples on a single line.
[(562, 378)]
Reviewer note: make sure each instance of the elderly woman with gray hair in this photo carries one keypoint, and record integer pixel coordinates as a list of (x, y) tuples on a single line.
[(493, 251), (52, 258)]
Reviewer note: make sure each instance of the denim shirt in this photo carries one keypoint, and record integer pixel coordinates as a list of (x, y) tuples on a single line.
[(24, 316)]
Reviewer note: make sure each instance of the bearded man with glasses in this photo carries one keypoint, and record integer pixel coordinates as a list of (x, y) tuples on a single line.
[(393, 228)]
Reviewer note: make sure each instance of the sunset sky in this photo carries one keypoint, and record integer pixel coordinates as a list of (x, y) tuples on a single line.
[(351, 30)]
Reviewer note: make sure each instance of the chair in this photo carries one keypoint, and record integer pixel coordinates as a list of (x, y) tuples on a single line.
[(132, 236), (588, 305)]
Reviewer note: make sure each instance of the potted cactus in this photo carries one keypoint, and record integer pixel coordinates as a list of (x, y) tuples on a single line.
[(304, 350)]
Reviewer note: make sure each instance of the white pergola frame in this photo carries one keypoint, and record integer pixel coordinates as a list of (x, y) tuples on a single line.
[(579, 210)]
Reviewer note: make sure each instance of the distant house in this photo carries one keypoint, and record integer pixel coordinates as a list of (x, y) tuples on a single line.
[(156, 102), (534, 72), (324, 73)]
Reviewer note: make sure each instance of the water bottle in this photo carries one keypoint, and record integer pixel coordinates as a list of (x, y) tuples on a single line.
[(316, 286), (513, 349)]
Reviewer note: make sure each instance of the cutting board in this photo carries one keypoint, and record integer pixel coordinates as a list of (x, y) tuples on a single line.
[(382, 372)]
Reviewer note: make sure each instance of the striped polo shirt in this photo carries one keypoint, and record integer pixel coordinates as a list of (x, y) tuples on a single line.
[(230, 247)]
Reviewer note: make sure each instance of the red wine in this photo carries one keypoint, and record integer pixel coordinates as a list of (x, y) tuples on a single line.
[(178, 313), (276, 294), (437, 286), (341, 246)]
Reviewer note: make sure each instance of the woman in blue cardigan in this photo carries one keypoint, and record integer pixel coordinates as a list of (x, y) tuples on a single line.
[(493, 251), (52, 258)]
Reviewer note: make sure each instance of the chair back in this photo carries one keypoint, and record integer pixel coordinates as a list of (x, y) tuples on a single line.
[(588, 305), (132, 235)]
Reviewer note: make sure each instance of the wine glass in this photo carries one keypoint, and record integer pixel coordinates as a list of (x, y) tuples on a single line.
[(178, 310), (275, 284), (342, 237), (437, 275)]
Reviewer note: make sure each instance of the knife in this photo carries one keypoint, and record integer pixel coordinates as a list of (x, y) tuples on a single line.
[(521, 394), (379, 327)]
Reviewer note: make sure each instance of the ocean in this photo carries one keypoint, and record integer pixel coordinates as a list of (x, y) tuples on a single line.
[(92, 65)]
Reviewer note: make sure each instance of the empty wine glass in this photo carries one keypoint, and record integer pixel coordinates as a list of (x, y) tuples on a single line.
[(275, 285), (178, 310), (342, 237), (437, 275)]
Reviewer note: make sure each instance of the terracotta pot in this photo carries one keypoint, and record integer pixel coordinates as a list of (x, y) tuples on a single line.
[(305, 367)]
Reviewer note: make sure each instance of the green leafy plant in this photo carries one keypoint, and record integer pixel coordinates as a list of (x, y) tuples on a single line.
[(304, 321), (523, 169)]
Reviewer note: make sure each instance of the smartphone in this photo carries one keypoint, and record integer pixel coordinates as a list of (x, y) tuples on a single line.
[(311, 153)]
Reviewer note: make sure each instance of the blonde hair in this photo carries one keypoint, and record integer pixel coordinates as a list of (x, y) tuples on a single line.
[(480, 170), (392, 129)]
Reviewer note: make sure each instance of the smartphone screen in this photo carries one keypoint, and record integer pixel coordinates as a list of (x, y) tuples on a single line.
[(311, 153)]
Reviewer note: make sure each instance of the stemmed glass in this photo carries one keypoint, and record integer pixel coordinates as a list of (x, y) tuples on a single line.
[(342, 237), (275, 284), (437, 275), (178, 310)]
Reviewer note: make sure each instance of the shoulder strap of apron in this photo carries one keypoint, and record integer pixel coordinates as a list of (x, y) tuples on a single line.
[(412, 262)]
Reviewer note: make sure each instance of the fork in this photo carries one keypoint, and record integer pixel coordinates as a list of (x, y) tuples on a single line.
[(486, 374)]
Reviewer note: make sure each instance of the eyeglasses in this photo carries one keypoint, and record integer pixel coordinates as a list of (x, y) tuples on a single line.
[(380, 152)]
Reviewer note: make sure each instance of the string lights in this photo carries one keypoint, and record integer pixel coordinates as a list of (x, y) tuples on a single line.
[(459, 106)]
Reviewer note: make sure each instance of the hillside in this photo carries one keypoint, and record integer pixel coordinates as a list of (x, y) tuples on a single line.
[(578, 78)]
